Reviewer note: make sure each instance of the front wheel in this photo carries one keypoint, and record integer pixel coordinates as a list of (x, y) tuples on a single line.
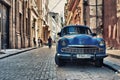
[(58, 61), (99, 63)]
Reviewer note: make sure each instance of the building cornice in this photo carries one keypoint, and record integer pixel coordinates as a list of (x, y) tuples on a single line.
[(6, 2)]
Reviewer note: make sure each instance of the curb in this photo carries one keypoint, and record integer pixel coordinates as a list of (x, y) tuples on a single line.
[(17, 53), (2, 53), (114, 56), (111, 66)]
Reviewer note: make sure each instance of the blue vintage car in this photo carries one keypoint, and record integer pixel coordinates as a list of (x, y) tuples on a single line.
[(78, 43)]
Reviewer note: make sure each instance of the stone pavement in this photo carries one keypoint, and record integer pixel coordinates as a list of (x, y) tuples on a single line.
[(112, 61)]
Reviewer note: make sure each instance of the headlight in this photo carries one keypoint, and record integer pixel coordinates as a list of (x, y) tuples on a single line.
[(63, 42), (102, 43)]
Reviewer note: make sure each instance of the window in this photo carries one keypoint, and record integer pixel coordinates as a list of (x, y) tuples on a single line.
[(76, 30)]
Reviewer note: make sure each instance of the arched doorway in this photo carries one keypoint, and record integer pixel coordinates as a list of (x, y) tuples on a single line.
[(4, 26)]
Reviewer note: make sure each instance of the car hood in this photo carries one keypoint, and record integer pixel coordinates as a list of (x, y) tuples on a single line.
[(81, 39)]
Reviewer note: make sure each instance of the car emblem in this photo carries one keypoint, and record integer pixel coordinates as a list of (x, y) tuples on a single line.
[(63, 43), (81, 42)]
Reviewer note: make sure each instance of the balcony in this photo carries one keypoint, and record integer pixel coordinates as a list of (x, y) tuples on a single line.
[(35, 8)]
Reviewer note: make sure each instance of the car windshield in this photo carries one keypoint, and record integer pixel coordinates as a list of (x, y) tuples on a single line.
[(76, 30)]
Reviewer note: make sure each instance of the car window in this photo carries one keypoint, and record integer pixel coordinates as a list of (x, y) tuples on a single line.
[(75, 30)]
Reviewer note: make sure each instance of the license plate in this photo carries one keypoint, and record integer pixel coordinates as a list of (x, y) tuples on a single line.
[(83, 56)]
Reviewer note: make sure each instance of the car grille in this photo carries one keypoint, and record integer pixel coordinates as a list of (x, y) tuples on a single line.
[(80, 50)]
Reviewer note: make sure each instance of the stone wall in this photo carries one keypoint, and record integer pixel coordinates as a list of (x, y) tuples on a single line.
[(112, 23)]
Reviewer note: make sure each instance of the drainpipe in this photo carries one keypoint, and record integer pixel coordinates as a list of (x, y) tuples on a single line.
[(85, 3), (0, 30), (96, 14)]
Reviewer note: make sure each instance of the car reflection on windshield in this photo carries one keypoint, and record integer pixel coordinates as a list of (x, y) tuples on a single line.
[(76, 30)]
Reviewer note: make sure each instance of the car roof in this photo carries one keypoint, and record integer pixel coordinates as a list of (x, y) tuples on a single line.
[(77, 26)]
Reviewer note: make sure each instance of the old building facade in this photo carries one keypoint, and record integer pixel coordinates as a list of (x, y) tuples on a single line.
[(93, 15), (74, 12), (39, 4), (111, 23), (54, 21), (23, 20), (34, 19), (101, 15), (19, 23), (45, 26), (84, 12)]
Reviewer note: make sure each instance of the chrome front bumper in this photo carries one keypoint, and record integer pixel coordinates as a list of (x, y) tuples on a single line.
[(81, 56)]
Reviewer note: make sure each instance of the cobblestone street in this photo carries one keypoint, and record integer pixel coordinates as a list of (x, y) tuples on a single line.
[(39, 64)]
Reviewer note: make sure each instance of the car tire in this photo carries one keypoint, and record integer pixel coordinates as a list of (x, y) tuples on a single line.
[(99, 63), (58, 61)]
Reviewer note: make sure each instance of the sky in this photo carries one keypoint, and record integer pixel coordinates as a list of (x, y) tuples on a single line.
[(57, 6)]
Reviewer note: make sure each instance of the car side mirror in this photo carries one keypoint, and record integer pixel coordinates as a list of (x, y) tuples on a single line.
[(94, 34), (59, 34)]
